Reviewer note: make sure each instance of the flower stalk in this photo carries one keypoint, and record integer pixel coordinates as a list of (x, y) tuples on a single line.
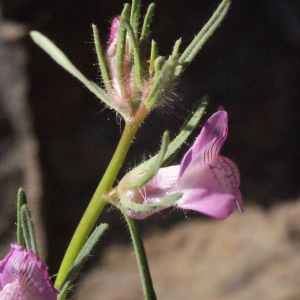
[(141, 257)]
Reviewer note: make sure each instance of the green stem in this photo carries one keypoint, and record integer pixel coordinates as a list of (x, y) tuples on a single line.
[(98, 201), (141, 257)]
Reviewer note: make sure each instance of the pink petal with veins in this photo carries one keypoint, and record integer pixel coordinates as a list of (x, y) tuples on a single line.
[(209, 142), (23, 276), (212, 189)]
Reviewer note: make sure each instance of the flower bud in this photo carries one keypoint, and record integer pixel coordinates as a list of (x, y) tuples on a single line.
[(125, 92), (112, 44)]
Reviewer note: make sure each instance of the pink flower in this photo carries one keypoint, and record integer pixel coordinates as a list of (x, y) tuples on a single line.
[(209, 182), (23, 276)]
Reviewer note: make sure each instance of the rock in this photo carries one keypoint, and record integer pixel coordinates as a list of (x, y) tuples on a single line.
[(19, 162), (255, 255)]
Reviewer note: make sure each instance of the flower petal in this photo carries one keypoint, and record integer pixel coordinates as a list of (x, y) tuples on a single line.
[(112, 44), (156, 189), (24, 276), (13, 291), (211, 189), (209, 142)]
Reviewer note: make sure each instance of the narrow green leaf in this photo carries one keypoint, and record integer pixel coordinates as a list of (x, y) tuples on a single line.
[(81, 258), (201, 38), (63, 61), (21, 201), (163, 82), (28, 230), (101, 59), (153, 169)]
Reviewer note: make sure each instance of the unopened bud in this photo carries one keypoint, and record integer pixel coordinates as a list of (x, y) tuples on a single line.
[(112, 43), (125, 93)]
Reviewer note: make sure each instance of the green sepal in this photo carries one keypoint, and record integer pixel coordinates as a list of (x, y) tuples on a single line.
[(28, 230), (57, 55), (81, 258), (163, 82), (189, 125), (158, 64), (153, 56), (201, 38), (176, 47), (166, 201), (135, 16), (144, 39), (176, 143), (101, 59), (21, 201), (121, 49), (153, 169), (136, 54)]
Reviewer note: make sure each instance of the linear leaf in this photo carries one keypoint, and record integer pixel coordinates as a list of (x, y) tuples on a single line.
[(63, 61), (81, 258)]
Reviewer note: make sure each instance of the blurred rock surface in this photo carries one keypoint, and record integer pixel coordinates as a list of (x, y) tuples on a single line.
[(19, 162)]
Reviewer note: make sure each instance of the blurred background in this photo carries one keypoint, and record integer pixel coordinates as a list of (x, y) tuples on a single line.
[(56, 138)]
